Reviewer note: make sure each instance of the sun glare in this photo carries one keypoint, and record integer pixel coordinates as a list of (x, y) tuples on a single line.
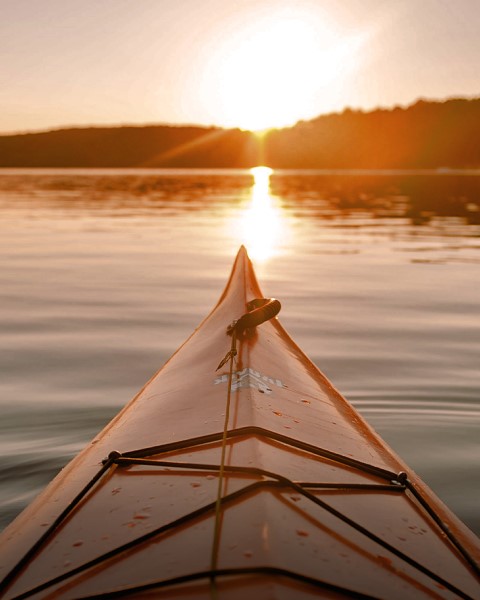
[(261, 225), (276, 71)]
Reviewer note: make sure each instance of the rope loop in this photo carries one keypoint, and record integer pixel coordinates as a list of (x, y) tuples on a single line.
[(259, 311)]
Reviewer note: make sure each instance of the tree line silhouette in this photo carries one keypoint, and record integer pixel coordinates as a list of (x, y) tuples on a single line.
[(424, 135)]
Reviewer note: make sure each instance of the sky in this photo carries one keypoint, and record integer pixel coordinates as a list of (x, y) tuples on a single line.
[(252, 64)]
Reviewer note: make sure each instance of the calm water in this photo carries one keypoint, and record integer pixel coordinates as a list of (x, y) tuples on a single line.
[(104, 273)]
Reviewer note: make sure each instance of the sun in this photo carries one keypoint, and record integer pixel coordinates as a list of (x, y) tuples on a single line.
[(273, 71)]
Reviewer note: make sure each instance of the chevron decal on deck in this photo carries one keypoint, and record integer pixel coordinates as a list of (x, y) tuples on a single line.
[(249, 378)]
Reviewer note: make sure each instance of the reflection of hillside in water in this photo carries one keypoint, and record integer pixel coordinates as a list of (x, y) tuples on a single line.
[(417, 197), (168, 184)]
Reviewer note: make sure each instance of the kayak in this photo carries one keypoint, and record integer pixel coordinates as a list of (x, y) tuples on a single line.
[(238, 471)]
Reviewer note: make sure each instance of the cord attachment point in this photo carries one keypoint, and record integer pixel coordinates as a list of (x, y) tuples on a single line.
[(259, 311), (112, 457)]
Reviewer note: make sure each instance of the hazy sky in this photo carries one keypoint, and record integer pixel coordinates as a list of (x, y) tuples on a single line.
[(247, 63)]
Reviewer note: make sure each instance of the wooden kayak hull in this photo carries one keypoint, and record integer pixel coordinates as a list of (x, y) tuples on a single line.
[(312, 504)]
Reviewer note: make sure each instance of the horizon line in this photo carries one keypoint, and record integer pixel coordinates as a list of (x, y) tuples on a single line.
[(389, 108)]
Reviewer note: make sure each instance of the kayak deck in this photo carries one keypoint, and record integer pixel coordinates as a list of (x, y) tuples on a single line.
[(258, 478)]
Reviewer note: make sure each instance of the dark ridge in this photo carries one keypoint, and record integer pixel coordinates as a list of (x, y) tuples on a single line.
[(426, 134)]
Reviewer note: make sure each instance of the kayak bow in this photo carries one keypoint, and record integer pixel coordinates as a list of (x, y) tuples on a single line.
[(256, 479)]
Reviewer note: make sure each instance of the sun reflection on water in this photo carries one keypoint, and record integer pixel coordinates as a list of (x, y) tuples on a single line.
[(262, 225)]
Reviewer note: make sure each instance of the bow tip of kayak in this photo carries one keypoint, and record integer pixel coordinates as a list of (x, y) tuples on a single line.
[(242, 253)]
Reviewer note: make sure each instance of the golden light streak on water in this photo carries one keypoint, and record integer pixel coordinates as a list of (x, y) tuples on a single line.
[(262, 223)]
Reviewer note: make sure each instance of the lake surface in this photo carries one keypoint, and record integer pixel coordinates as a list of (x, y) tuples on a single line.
[(104, 273)]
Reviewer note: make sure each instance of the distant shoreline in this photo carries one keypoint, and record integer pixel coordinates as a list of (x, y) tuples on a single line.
[(225, 171), (426, 135)]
